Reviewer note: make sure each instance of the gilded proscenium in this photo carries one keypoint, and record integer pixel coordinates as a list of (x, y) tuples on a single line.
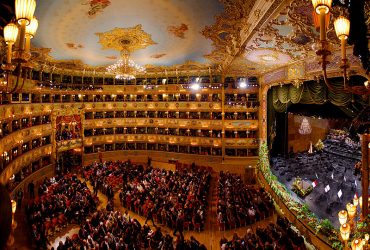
[(129, 39)]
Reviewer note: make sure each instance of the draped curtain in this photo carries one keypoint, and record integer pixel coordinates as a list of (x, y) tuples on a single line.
[(309, 93)]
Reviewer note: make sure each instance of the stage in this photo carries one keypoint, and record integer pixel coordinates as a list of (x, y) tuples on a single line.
[(337, 171)]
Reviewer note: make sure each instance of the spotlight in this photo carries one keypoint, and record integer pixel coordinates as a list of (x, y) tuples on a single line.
[(195, 86), (243, 84)]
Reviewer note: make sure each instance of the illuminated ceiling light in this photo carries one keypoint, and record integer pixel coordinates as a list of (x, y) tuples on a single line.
[(125, 68), (195, 86), (30, 33), (24, 10), (341, 25), (32, 27), (10, 33), (243, 84), (322, 5)]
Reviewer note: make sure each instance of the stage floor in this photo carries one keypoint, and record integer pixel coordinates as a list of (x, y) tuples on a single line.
[(328, 169)]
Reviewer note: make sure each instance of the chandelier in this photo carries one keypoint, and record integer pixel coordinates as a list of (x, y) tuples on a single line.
[(18, 35), (342, 27), (125, 68)]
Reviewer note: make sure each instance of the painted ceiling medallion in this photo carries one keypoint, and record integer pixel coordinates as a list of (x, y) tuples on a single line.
[(268, 57), (128, 39)]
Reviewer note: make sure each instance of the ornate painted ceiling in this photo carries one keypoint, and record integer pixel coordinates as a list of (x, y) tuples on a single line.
[(245, 37), (71, 29)]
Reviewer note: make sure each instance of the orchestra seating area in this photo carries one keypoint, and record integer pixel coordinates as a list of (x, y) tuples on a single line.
[(275, 236), (239, 205), (114, 230), (61, 200), (169, 195)]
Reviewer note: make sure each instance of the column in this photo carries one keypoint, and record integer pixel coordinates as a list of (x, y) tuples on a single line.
[(223, 116), (365, 174)]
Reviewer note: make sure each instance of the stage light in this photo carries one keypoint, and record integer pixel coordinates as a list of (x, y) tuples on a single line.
[(195, 86), (342, 216), (242, 84), (345, 231), (351, 209)]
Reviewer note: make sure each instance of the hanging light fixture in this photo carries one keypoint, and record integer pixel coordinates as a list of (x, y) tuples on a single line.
[(22, 31), (342, 28), (125, 68)]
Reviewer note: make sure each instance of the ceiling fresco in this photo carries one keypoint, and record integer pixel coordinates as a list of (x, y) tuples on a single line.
[(71, 28), (240, 37), (289, 35)]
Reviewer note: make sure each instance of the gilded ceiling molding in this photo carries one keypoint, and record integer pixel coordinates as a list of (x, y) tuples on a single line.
[(309, 69), (46, 63), (234, 27), (128, 39), (296, 16)]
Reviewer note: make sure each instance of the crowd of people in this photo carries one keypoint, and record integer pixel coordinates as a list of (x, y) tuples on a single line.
[(239, 205), (177, 199), (61, 200), (275, 236), (62, 135), (107, 176), (116, 230)]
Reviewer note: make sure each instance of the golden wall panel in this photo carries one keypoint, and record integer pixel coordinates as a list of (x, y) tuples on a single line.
[(24, 160), (24, 135), (165, 139), (15, 111), (67, 145), (171, 123), (152, 106), (242, 142)]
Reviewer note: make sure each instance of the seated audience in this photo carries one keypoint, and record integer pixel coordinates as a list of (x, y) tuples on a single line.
[(61, 200), (169, 195), (274, 236), (239, 205), (113, 230)]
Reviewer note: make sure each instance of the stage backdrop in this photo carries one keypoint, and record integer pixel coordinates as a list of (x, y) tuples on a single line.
[(303, 129)]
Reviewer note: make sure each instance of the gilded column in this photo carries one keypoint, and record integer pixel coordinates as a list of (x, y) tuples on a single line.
[(365, 174), (263, 113), (223, 116), (53, 137), (82, 131)]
